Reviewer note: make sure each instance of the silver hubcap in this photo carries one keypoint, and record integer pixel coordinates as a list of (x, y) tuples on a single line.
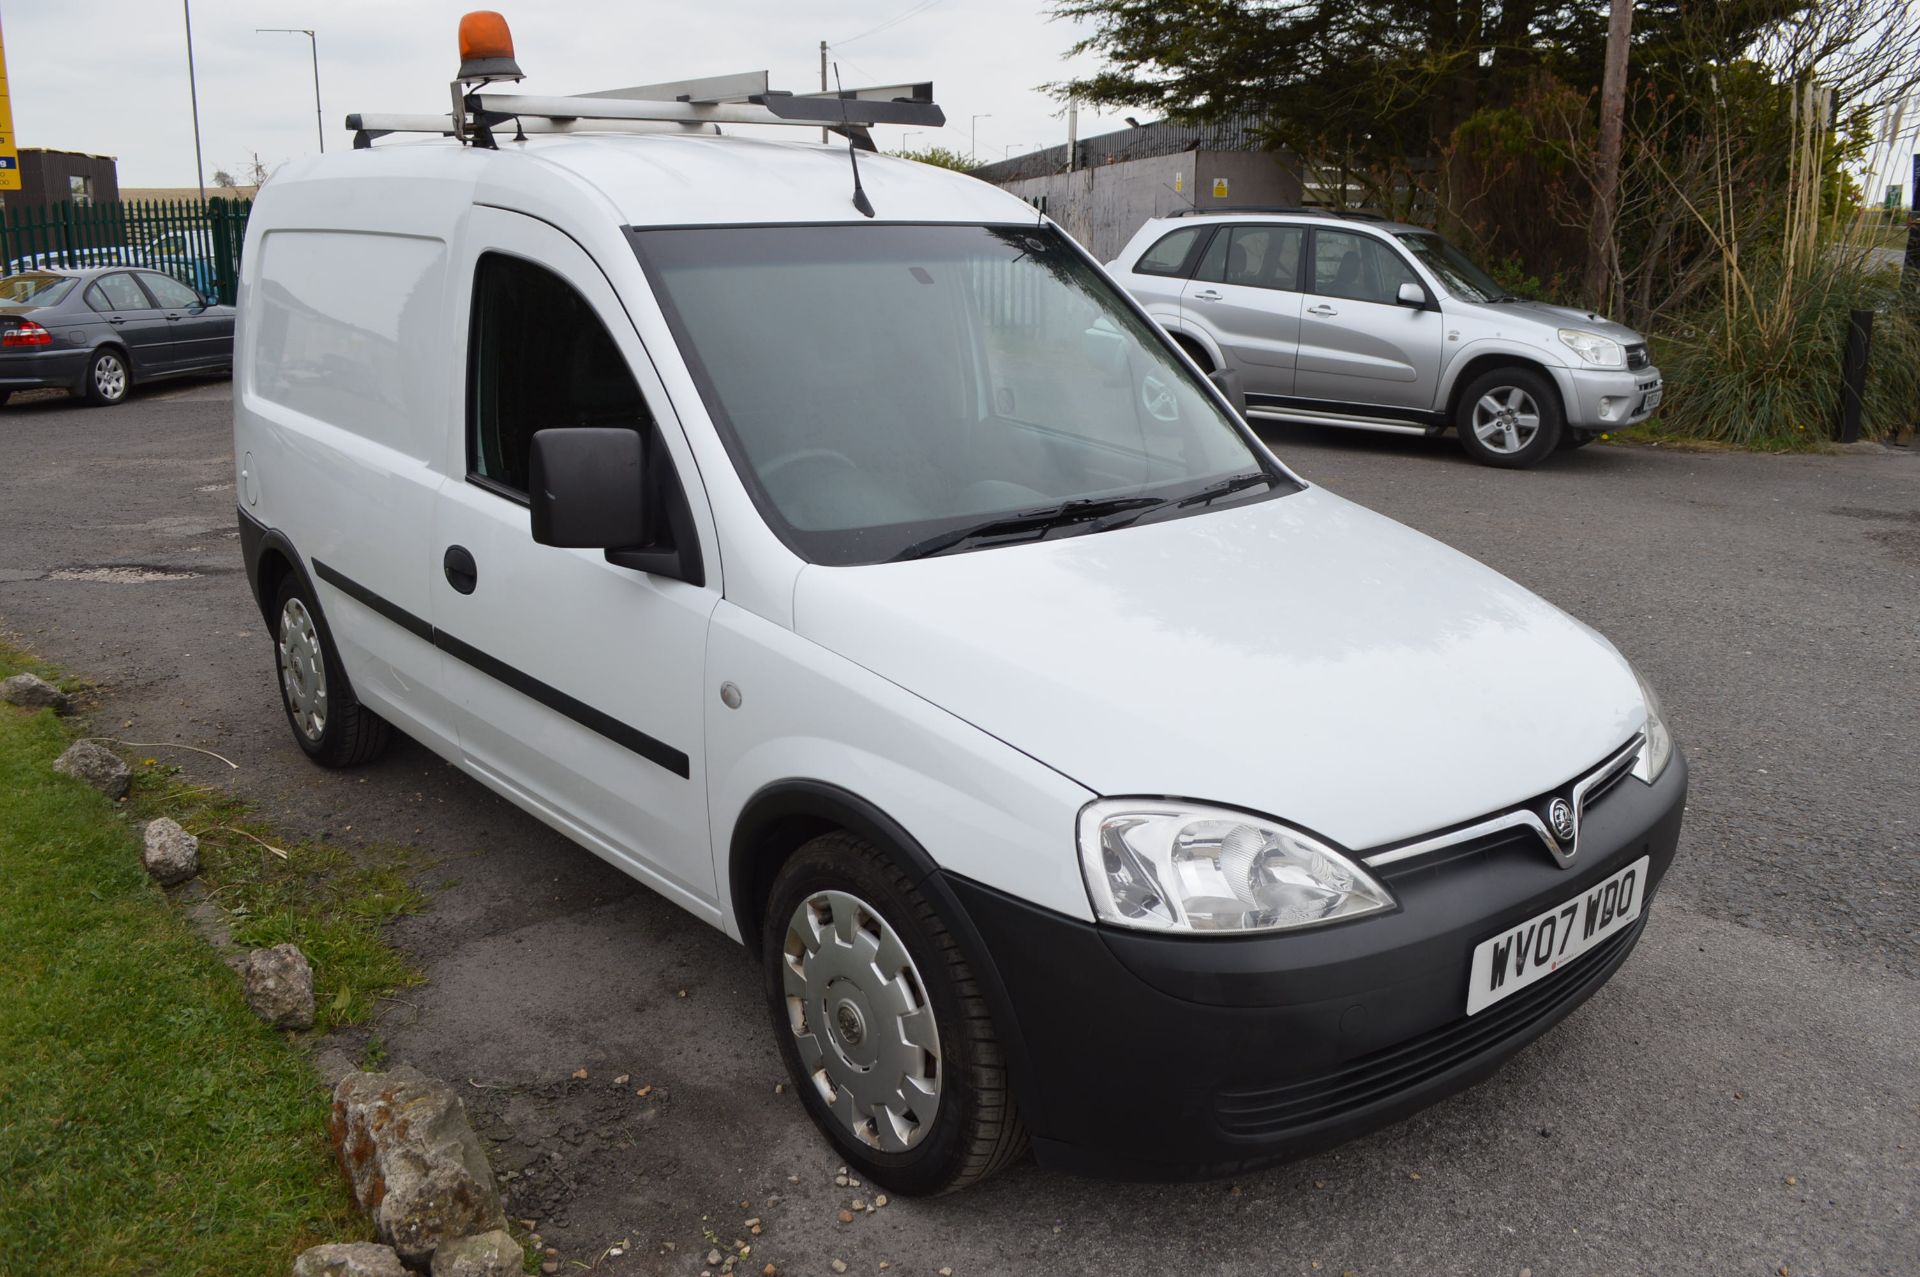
[(861, 1020), (109, 377), (303, 670), (1506, 419)]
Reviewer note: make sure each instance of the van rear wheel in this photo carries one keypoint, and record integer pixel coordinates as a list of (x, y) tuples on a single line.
[(1509, 417), (328, 721), (881, 1024)]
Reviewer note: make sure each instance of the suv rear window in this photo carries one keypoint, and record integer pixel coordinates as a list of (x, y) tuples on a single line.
[(1170, 253)]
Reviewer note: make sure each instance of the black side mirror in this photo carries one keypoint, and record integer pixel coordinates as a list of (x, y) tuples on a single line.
[(1228, 381), (588, 488)]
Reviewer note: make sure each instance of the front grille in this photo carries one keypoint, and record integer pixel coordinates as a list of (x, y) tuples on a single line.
[(1381, 1076), (1637, 357), (1475, 852)]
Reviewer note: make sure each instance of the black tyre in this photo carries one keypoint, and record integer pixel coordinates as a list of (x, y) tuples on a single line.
[(1510, 417), (4, 396), (333, 727), (107, 379), (881, 1022)]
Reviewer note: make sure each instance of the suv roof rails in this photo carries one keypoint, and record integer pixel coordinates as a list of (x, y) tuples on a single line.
[(1351, 216), (691, 105)]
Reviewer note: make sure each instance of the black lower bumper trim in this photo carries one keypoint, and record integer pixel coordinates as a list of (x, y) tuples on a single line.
[(1157, 1058)]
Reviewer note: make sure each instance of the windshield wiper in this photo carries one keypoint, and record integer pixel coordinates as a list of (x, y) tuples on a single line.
[(1232, 483), (1038, 522)]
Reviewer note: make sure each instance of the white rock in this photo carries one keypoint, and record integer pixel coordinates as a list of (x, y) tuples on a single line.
[(171, 854)]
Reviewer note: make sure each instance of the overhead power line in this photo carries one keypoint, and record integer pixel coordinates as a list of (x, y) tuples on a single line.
[(894, 21)]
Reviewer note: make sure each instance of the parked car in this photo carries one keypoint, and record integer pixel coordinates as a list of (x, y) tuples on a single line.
[(186, 256), (97, 332), (885, 589), (1352, 321), (78, 259)]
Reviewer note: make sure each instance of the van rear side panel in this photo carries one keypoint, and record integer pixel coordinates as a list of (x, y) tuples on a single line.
[(342, 402)]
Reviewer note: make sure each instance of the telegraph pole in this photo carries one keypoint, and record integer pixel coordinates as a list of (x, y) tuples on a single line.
[(1606, 178)]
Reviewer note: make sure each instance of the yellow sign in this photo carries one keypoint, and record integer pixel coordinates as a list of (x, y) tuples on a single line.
[(9, 156), (1179, 183), (1219, 188)]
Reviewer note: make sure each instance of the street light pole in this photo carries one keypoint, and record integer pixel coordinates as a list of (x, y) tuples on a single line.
[(193, 94), (973, 135), (319, 124)]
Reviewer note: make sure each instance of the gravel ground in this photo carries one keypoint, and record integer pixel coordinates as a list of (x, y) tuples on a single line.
[(1744, 1097)]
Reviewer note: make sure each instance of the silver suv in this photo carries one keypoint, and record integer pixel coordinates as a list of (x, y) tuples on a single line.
[(1352, 321)]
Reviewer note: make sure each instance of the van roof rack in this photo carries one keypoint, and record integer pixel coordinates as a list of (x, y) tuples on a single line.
[(699, 105), (1348, 215)]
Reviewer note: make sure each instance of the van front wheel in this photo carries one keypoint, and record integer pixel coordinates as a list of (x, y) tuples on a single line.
[(880, 1021), (1509, 417)]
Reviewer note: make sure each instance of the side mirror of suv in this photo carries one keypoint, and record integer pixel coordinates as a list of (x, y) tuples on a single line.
[(1411, 294), (588, 487)]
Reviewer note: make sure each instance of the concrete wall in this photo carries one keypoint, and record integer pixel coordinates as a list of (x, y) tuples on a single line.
[(1103, 206)]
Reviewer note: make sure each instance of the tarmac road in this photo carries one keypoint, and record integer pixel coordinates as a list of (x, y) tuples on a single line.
[(1744, 1097)]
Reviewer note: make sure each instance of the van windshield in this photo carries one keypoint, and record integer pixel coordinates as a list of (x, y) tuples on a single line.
[(889, 391)]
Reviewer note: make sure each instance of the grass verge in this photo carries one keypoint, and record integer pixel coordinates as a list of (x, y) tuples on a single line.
[(149, 1123)]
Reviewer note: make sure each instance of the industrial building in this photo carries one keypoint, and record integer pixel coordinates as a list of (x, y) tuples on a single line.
[(1102, 188), (62, 177)]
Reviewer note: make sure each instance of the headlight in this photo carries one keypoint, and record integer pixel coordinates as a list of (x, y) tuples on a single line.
[(1601, 352), (1167, 866), (1658, 751)]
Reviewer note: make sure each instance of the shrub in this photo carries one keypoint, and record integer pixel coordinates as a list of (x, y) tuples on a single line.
[(1766, 373)]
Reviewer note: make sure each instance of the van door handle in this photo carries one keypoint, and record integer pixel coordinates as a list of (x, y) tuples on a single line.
[(1322, 310), (1208, 296), (116, 320), (462, 572)]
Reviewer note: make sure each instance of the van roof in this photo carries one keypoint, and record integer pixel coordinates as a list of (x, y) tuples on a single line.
[(682, 178)]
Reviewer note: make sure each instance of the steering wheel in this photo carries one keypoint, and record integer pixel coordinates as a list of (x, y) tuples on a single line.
[(801, 457), (1156, 396)]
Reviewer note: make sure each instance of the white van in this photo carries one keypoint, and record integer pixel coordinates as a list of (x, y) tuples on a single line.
[(892, 594)]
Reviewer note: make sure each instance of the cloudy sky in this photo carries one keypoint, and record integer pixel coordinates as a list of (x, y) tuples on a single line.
[(110, 76)]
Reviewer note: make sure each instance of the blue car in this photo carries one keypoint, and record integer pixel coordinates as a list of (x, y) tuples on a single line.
[(96, 332)]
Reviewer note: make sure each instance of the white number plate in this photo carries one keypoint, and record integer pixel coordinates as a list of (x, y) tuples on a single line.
[(1652, 400), (1542, 945)]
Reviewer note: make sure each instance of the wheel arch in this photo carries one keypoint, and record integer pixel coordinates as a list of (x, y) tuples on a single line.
[(783, 816), (1198, 346), (270, 559)]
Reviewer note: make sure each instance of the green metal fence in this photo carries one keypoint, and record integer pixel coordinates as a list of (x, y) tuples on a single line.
[(198, 244)]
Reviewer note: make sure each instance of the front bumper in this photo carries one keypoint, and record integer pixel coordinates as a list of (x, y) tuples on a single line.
[(25, 368), (1155, 1057), (1602, 400)]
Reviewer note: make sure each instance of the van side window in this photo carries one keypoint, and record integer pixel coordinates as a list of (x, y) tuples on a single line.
[(537, 357)]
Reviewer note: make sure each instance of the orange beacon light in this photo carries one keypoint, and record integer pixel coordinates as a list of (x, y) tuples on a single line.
[(486, 47)]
